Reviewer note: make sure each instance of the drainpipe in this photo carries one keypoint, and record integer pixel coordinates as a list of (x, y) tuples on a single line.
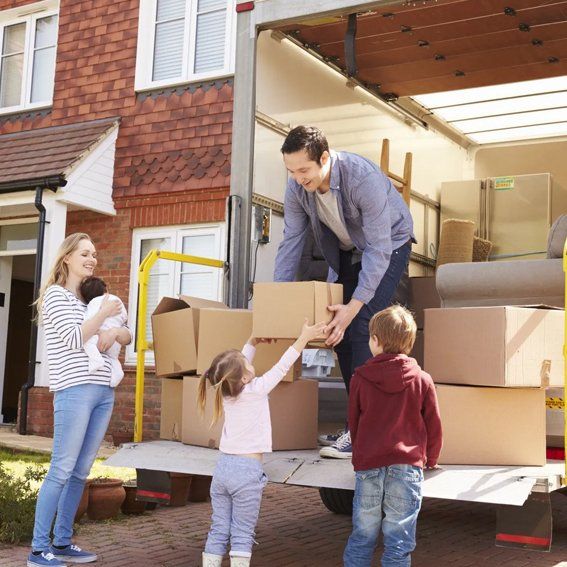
[(23, 425)]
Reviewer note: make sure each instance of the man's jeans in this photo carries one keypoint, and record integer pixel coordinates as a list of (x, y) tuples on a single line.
[(395, 493), (236, 495), (81, 418), (353, 350)]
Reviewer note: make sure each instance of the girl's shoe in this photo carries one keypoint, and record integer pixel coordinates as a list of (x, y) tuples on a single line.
[(238, 561), (210, 560)]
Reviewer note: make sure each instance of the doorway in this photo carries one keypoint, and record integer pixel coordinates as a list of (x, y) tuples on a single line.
[(18, 334)]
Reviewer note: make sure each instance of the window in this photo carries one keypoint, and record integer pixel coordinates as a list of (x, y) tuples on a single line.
[(171, 279), (28, 46), (184, 40)]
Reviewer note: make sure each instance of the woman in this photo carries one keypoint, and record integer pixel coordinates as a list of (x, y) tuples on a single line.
[(83, 401)]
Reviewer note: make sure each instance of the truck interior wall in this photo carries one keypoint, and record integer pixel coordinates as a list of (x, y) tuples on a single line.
[(295, 88), (524, 158)]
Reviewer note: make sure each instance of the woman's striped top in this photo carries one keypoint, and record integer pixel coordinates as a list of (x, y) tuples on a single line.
[(63, 314)]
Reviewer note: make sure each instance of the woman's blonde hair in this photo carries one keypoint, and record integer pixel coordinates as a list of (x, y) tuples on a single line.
[(394, 329), (60, 271), (225, 376)]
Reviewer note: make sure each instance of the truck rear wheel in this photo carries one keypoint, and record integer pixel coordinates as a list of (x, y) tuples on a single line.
[(337, 500)]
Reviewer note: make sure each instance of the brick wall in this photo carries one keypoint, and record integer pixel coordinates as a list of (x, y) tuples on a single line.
[(172, 164)]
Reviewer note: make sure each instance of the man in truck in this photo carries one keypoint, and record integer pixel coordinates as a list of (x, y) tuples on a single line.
[(363, 228)]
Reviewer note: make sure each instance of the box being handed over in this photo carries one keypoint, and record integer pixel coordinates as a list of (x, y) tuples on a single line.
[(280, 309)]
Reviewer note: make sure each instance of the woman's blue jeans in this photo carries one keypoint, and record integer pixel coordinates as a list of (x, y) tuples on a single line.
[(388, 498), (81, 418)]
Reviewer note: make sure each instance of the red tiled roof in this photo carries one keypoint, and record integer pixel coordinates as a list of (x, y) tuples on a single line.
[(34, 155), (181, 164)]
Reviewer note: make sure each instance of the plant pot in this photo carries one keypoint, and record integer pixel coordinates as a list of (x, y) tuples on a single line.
[(84, 502), (200, 488), (120, 437), (180, 488), (130, 504), (105, 498)]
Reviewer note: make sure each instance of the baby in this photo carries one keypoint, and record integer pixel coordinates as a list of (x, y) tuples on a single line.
[(93, 290)]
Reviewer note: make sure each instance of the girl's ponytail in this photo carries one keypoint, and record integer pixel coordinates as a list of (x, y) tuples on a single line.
[(202, 393), (218, 410)]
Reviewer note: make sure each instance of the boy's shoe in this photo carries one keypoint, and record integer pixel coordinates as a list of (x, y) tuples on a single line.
[(342, 449), (73, 554), (211, 560), (44, 559), (330, 438), (239, 561)]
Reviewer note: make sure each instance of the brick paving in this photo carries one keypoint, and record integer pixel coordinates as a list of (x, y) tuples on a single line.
[(296, 530)]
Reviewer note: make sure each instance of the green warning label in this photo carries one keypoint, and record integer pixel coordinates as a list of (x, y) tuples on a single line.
[(503, 183)]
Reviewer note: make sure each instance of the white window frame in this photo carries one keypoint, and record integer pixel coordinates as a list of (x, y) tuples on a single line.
[(176, 234), (29, 15), (146, 40)]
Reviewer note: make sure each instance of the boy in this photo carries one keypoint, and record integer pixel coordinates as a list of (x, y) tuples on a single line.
[(93, 290), (396, 431)]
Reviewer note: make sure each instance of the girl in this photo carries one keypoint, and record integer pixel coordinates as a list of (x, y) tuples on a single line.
[(238, 480), (82, 401)]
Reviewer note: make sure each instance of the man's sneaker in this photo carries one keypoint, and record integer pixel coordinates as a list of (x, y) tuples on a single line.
[(342, 449), (44, 559), (73, 554), (330, 438)]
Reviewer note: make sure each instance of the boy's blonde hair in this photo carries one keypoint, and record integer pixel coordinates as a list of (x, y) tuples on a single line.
[(394, 329), (225, 375)]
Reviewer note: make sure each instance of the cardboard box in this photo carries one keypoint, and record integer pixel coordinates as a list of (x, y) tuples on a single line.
[(223, 329), (417, 351), (293, 409), (494, 346), (422, 295), (492, 426), (280, 309), (171, 409), (175, 324), (220, 330), (268, 354)]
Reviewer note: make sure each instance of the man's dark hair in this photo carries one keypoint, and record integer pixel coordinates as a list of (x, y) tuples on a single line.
[(92, 287), (306, 138)]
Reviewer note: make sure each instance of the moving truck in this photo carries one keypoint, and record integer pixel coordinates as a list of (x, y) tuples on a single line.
[(366, 72)]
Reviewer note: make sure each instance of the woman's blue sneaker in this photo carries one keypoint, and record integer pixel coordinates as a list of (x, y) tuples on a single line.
[(44, 559), (73, 554)]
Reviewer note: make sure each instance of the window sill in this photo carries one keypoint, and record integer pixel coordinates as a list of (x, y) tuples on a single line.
[(18, 114), (193, 84)]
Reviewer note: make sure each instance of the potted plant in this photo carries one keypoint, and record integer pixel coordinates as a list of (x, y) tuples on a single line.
[(84, 502), (130, 504), (105, 498)]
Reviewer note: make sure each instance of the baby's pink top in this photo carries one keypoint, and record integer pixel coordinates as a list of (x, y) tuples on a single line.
[(247, 426)]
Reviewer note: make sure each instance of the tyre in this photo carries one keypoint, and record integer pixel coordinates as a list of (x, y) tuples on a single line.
[(337, 500)]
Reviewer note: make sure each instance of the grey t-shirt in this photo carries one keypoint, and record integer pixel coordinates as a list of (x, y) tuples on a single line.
[(328, 211)]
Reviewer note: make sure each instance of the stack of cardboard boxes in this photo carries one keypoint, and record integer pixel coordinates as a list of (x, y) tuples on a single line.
[(491, 366), (189, 332)]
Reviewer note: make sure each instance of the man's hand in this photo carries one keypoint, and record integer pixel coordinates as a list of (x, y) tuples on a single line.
[(344, 314), (106, 339)]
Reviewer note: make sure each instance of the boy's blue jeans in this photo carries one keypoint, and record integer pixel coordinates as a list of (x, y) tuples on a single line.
[(236, 495), (390, 498), (81, 417)]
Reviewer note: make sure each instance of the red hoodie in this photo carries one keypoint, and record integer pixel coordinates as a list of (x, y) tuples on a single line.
[(393, 414)]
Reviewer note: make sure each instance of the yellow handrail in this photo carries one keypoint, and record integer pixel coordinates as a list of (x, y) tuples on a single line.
[(565, 365), (141, 343)]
